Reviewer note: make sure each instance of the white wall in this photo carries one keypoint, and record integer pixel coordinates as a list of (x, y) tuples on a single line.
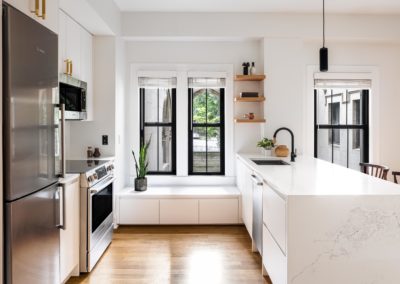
[(286, 62), (89, 133), (192, 53), (120, 133), (271, 25), (291, 44)]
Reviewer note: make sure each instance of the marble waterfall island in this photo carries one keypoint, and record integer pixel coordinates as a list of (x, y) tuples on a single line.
[(323, 223)]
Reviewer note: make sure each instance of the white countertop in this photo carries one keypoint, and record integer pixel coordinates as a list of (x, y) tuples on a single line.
[(69, 178), (311, 176)]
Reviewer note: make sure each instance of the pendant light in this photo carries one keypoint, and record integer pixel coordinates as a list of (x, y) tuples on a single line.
[(323, 52)]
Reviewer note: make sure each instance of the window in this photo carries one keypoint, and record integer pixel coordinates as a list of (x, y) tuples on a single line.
[(206, 126), (341, 125), (158, 123), (333, 119)]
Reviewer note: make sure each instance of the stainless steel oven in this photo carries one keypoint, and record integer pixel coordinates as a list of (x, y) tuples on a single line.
[(96, 215), (73, 96)]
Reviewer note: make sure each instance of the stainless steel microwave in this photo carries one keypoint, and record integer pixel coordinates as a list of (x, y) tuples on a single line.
[(73, 96)]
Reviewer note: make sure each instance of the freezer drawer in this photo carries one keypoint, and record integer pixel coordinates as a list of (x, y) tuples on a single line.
[(33, 238)]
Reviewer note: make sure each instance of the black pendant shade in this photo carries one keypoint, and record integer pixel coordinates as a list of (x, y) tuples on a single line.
[(323, 59), (323, 52)]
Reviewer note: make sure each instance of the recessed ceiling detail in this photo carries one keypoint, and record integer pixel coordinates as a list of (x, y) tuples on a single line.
[(290, 6)]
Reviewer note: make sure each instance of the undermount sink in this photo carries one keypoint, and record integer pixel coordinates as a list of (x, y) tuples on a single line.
[(270, 162)]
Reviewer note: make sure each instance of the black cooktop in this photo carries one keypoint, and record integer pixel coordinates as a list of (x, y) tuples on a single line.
[(83, 166)]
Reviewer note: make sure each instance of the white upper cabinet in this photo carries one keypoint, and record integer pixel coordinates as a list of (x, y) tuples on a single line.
[(62, 42), (73, 46), (76, 45), (86, 69), (42, 11)]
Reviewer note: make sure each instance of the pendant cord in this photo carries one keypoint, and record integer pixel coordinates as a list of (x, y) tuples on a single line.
[(323, 23)]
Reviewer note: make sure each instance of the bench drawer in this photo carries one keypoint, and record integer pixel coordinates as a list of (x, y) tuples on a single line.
[(179, 211), (139, 211), (219, 211)]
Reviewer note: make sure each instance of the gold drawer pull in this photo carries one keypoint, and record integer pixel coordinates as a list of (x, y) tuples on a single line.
[(43, 16), (68, 70), (36, 10)]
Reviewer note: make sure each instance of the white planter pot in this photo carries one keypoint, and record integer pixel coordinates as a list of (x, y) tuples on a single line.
[(266, 152)]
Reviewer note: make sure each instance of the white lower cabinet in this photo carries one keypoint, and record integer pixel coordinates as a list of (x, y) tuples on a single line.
[(274, 215), (69, 236), (179, 211), (245, 185), (218, 211), (274, 261), (139, 211)]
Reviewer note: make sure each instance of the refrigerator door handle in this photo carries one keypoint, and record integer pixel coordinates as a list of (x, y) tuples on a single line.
[(61, 194), (63, 166)]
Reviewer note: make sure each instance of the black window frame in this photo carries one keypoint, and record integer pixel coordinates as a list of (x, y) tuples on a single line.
[(364, 126), (171, 124), (221, 125)]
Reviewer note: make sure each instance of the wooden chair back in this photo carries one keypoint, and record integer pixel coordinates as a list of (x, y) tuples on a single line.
[(375, 170), (395, 176)]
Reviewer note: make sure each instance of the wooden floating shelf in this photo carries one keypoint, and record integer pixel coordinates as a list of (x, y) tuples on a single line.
[(250, 77), (250, 100), (244, 120)]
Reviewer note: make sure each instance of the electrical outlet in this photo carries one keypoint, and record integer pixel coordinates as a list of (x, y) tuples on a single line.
[(105, 139)]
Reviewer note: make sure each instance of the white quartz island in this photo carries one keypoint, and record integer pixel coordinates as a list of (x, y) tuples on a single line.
[(323, 223)]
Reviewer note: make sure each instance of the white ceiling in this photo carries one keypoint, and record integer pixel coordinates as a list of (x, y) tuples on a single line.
[(292, 6)]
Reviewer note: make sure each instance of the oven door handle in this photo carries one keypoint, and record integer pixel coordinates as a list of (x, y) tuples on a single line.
[(100, 186)]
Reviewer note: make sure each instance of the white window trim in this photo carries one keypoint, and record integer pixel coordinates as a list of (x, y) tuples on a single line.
[(343, 72), (182, 72)]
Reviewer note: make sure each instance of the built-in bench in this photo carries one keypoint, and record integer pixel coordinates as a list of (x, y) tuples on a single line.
[(180, 205)]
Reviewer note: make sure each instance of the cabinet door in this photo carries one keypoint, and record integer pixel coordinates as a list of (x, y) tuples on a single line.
[(274, 215), (273, 259), (50, 6), (247, 200), (62, 42), (73, 46), (240, 174), (87, 69), (69, 237)]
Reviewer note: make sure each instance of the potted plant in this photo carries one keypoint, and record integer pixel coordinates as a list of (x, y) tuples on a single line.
[(266, 145), (141, 167)]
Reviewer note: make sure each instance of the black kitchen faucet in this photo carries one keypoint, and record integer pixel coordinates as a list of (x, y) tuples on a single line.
[(293, 152)]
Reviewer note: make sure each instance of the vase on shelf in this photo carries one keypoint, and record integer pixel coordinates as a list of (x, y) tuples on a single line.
[(253, 69)]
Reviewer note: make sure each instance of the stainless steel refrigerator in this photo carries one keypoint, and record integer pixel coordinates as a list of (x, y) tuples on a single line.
[(31, 151)]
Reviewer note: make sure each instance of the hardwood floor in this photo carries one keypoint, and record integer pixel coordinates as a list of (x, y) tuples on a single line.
[(178, 254)]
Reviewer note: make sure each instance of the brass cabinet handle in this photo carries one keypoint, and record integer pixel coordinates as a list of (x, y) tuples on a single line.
[(43, 15), (70, 68), (36, 10), (68, 62)]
